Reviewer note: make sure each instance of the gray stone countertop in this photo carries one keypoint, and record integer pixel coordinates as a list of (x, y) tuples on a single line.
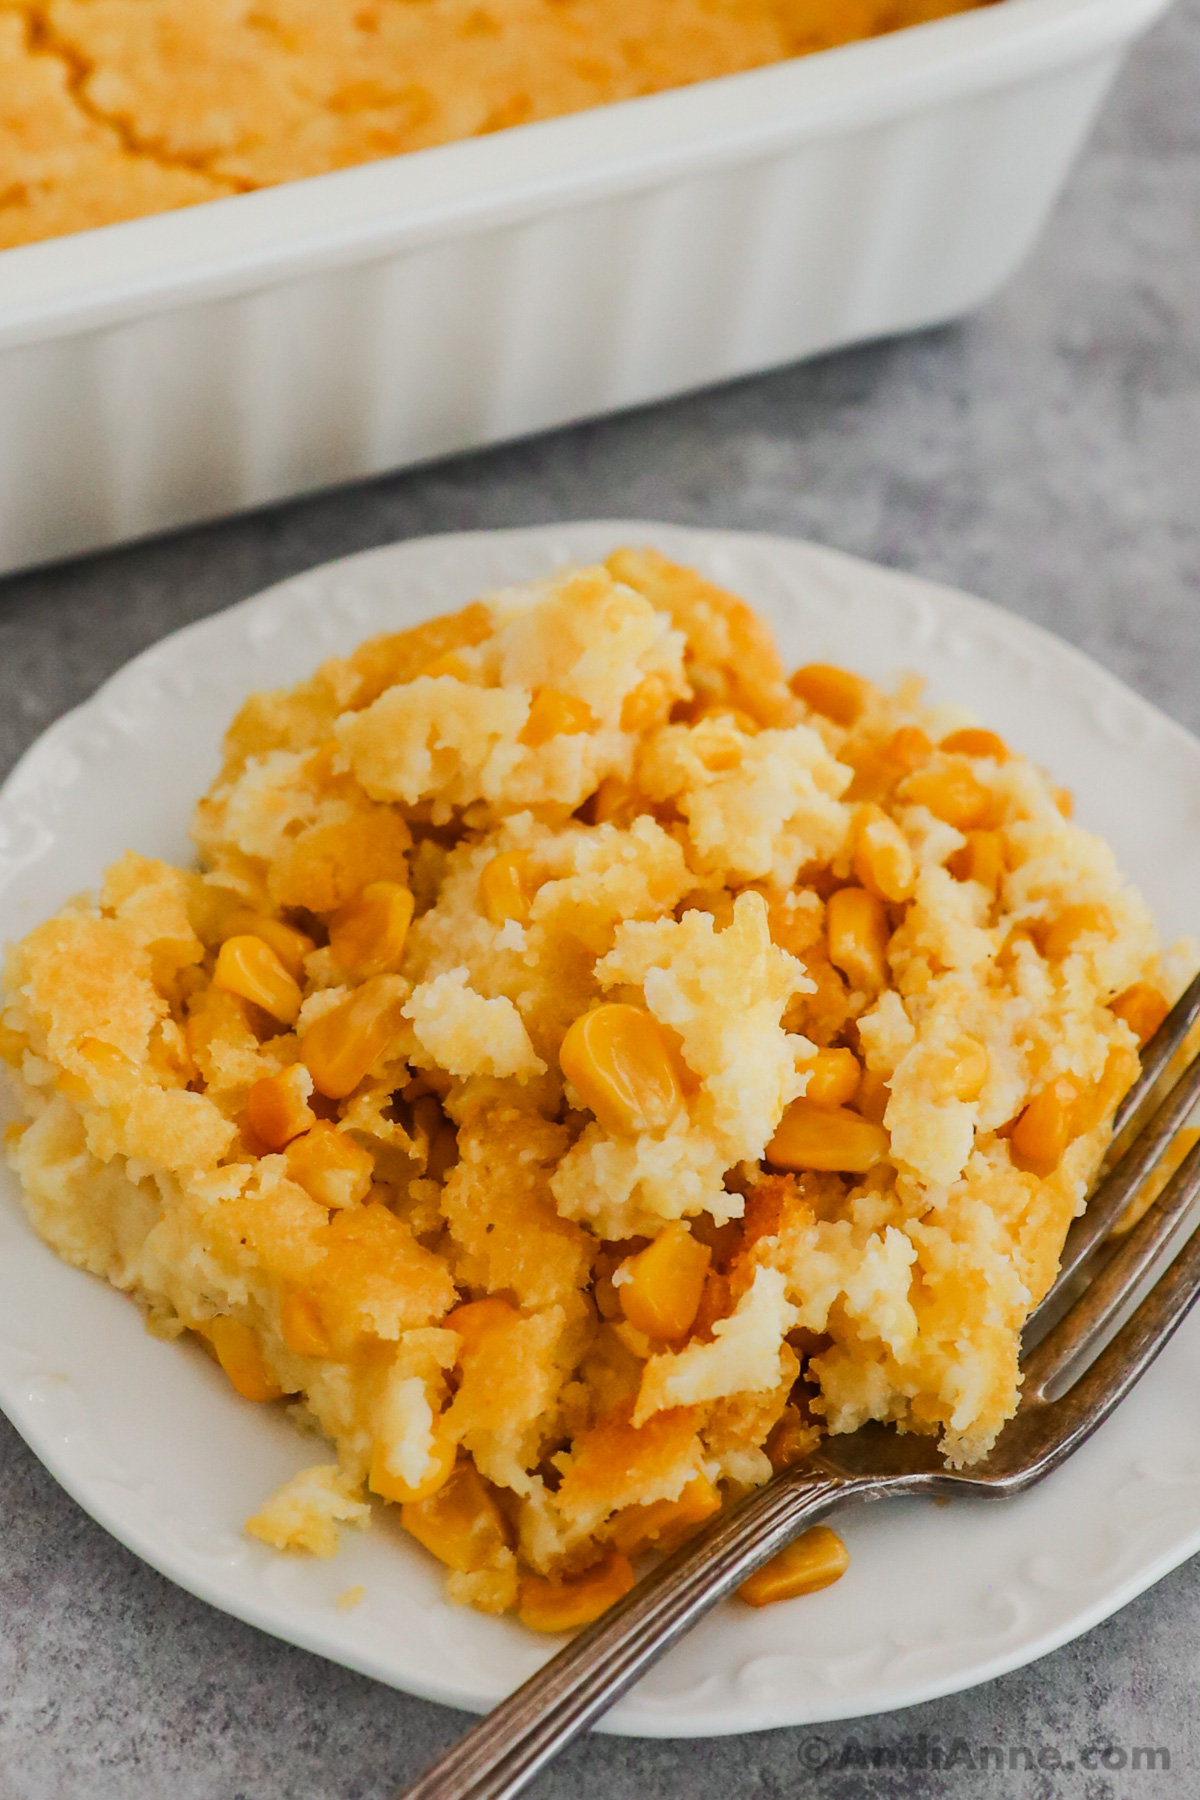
[(1044, 453)]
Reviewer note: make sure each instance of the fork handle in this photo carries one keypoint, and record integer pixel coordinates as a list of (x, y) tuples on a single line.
[(505, 1750)]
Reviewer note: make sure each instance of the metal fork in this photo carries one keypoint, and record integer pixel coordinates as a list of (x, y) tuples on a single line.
[(1067, 1393)]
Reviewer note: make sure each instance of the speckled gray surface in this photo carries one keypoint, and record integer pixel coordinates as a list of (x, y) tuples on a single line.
[(1045, 453)]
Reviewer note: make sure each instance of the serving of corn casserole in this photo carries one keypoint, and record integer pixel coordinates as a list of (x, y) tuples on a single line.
[(584, 1068), (112, 109)]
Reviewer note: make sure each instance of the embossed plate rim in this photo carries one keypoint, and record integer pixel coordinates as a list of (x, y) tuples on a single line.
[(1030, 1575)]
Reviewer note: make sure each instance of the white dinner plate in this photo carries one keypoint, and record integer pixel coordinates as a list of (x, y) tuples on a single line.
[(149, 1437)]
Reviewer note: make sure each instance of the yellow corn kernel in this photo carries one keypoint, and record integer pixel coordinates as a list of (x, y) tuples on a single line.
[(816, 1560), (660, 1288), (476, 1318), (621, 1064), (341, 1047), (1064, 799), (951, 793), (277, 1108), (874, 1093), (614, 803), (461, 1524), (883, 861), (247, 966), (834, 693), (718, 749), (203, 1331), (881, 765), (1042, 1132), (239, 1355), (1058, 938), (974, 742), (290, 946), (1098, 1099), (828, 1138), (647, 704), (833, 1078), (447, 664), (567, 1605), (664, 1524), (301, 1325), (400, 656), (1143, 1009), (331, 1168), (503, 889), (981, 859), (856, 925), (555, 714), (368, 934), (908, 748), (389, 1486), (966, 1070)]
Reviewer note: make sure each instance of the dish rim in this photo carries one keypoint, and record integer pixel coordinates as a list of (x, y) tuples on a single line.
[(103, 275)]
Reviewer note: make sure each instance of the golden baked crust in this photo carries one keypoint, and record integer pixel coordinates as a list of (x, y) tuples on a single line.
[(63, 166), (110, 109), (608, 806)]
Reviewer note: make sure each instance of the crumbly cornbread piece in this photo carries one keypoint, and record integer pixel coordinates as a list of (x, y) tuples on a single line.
[(750, 1049), (305, 1513), (124, 107)]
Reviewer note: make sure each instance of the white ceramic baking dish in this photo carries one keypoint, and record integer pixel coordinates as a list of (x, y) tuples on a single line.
[(186, 365)]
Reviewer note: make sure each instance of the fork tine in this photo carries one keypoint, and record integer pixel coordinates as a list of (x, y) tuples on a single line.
[(1117, 1189), (1067, 1349), (1067, 1422)]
